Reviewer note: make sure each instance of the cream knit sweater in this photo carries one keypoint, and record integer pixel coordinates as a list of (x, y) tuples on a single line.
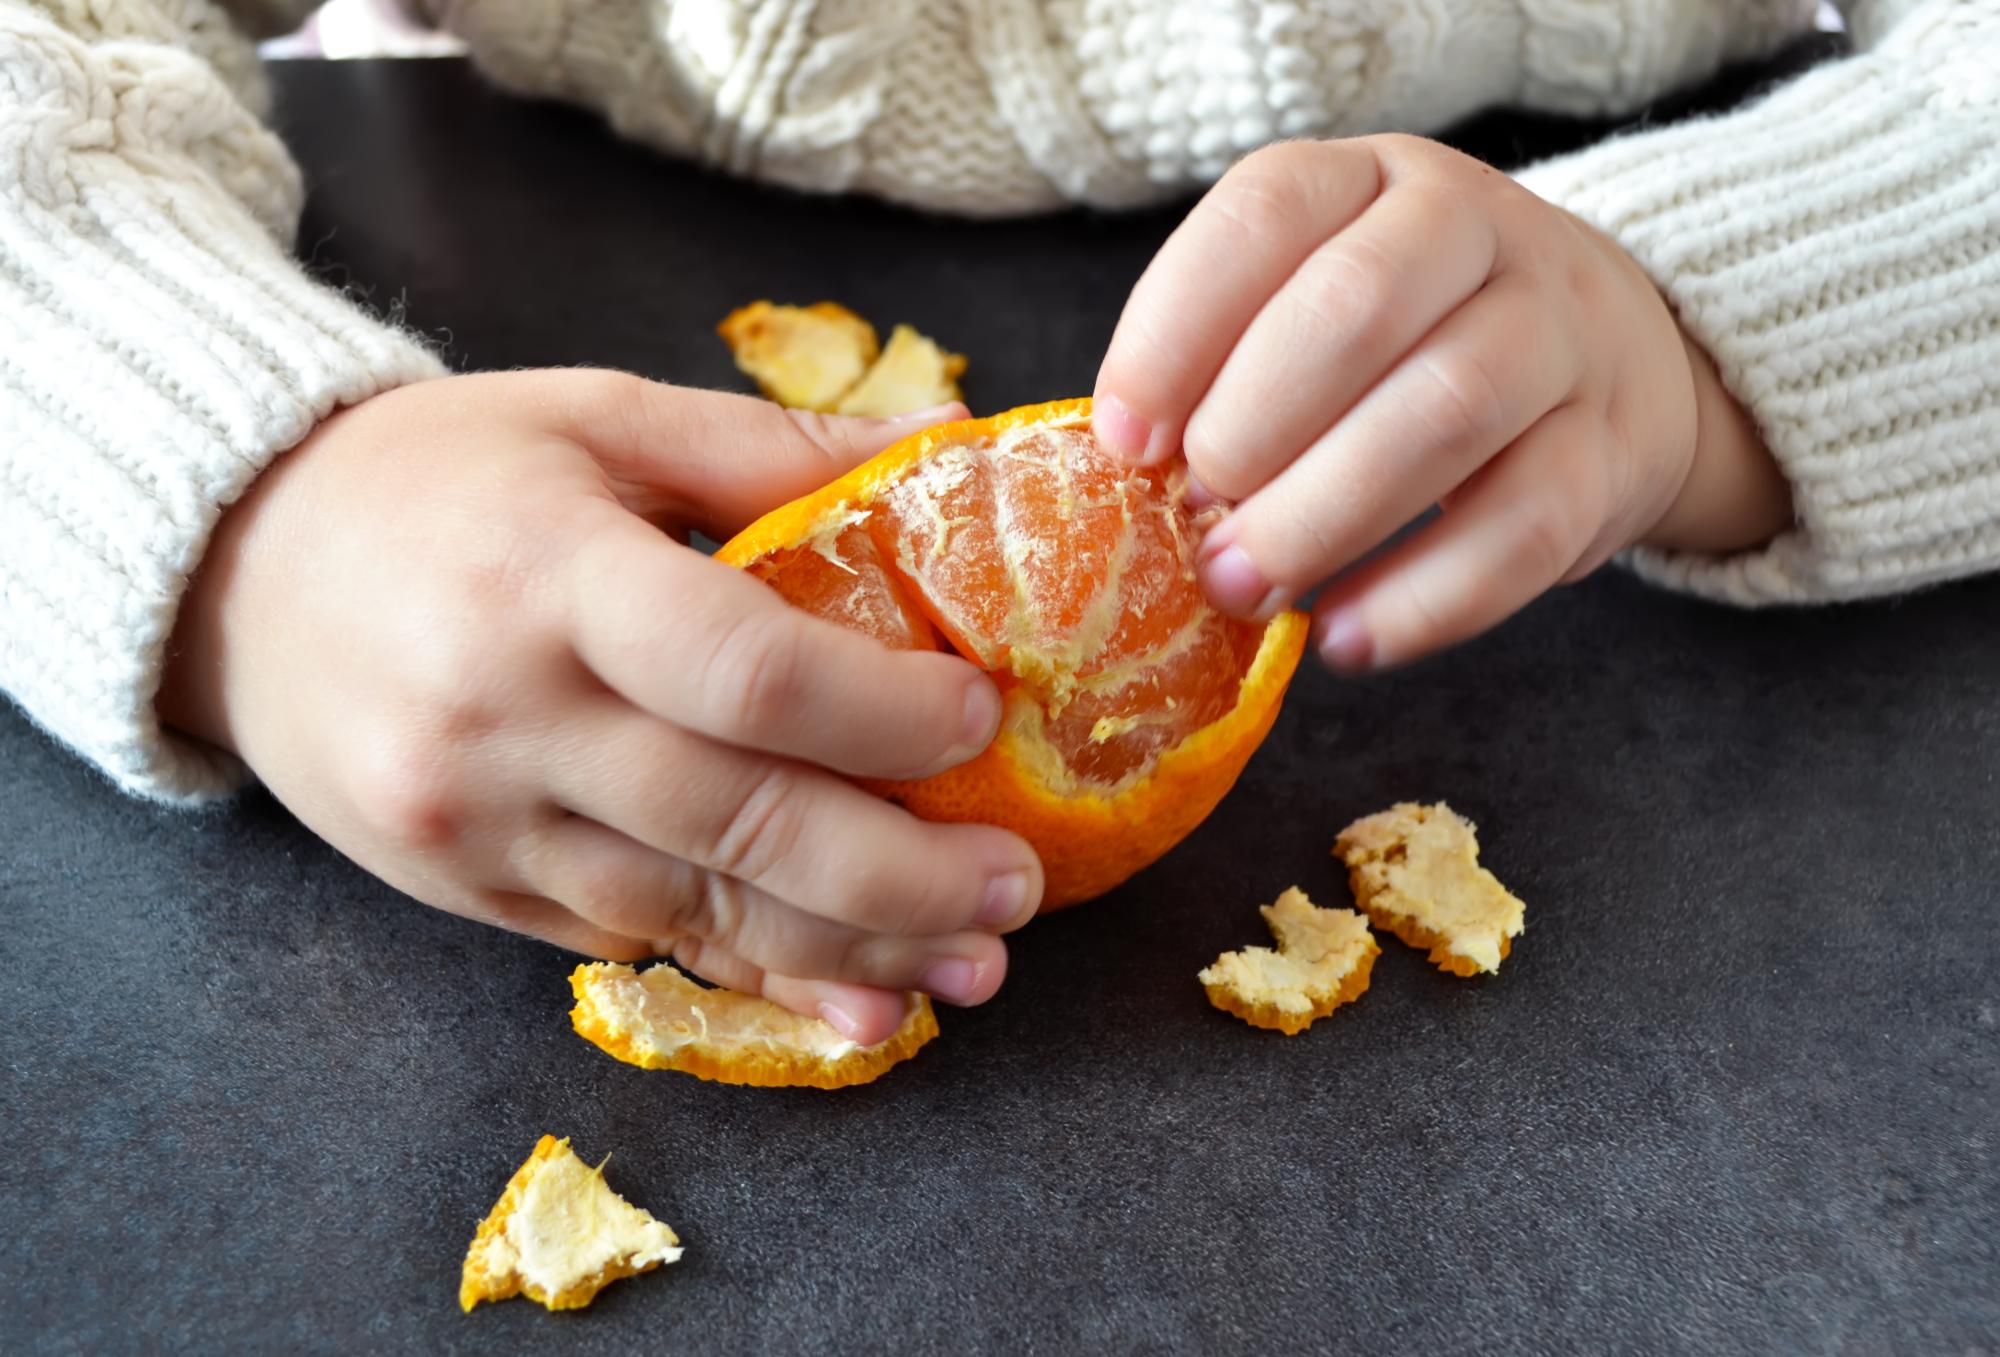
[(1836, 247)]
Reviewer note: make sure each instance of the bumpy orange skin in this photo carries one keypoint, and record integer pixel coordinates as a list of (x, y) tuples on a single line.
[(772, 1067), (1274, 1019), (1088, 843), (1416, 935), (475, 1285)]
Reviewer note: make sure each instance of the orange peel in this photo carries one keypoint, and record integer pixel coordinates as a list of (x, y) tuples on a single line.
[(1130, 706), (805, 357), (912, 373), (658, 1019), (1415, 870), (1325, 958), (559, 1235)]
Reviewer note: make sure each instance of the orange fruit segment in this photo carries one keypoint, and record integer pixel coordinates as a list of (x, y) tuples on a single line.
[(913, 373), (658, 1019), (559, 1235), (806, 357), (1130, 706), (1325, 958), (1415, 870)]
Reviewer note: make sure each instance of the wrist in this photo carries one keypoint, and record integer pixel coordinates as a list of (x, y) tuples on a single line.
[(204, 661), (1735, 496)]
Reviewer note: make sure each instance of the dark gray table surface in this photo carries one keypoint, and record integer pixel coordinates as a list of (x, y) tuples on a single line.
[(1738, 1090)]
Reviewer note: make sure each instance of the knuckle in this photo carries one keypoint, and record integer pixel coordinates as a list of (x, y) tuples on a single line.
[(1462, 403), (762, 830), (758, 677), (1300, 547), (1350, 289), (715, 911), (1558, 527), (1264, 195), (1433, 621), (406, 792)]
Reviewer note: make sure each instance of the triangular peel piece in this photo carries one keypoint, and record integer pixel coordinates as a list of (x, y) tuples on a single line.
[(659, 1019), (559, 1235), (913, 373), (1415, 870), (1324, 959), (803, 357)]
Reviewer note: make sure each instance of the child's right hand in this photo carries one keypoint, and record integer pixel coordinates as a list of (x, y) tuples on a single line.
[(446, 632)]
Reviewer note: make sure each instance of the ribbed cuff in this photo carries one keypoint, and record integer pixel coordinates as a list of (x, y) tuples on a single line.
[(157, 349), (1836, 250)]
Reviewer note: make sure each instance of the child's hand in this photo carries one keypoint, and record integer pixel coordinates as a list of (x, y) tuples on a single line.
[(1344, 333), (444, 632)]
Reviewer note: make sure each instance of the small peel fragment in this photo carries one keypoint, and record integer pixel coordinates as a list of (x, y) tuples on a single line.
[(1325, 958), (913, 373), (1415, 870), (559, 1235), (803, 357), (658, 1019)]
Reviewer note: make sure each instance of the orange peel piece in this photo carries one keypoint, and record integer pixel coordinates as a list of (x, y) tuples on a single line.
[(658, 1019), (1325, 958), (804, 357), (559, 1235), (1415, 870), (913, 373)]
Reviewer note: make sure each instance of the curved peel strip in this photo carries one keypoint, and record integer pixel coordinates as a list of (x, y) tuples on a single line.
[(1415, 870), (1131, 707), (658, 1019), (1325, 958), (559, 1235)]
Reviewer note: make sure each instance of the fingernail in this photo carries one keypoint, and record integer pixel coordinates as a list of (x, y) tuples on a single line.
[(1006, 897), (953, 981), (1345, 645), (1200, 496), (930, 414), (840, 1020), (1125, 435), (982, 716), (1234, 584)]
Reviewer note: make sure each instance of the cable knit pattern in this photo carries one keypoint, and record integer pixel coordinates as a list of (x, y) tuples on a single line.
[(157, 348), (1837, 250), (1837, 247)]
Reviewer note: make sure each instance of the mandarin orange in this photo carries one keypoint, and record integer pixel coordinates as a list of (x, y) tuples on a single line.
[(1131, 706)]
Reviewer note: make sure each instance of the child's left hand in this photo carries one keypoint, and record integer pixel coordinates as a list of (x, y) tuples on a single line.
[(1342, 334)]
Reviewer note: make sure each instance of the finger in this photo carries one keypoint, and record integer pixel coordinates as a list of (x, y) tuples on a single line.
[(859, 1013), (797, 832), (540, 917), (1236, 248), (1479, 381), (711, 458), (717, 651), (1529, 521), (624, 887), (1355, 307)]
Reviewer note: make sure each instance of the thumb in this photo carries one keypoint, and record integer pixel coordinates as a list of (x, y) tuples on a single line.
[(713, 460)]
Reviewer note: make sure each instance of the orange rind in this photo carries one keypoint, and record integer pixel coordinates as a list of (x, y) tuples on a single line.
[(559, 1235), (805, 357), (913, 373), (1130, 706), (658, 1019), (1325, 958), (1415, 870)]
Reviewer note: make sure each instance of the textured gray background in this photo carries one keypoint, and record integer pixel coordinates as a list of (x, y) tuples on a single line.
[(1735, 1091)]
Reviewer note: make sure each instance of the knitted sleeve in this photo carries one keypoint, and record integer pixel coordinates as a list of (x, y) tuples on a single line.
[(1007, 106), (1836, 249), (158, 346)]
